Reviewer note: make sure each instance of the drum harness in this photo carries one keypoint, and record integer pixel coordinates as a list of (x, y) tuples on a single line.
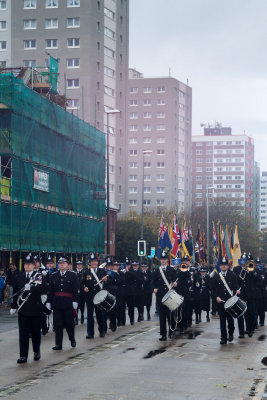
[(176, 311), (226, 285), (97, 279)]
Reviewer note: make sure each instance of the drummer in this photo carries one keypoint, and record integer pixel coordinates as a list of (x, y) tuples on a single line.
[(160, 289), (224, 285)]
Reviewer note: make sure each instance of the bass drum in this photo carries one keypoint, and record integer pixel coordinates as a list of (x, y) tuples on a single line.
[(104, 300), (235, 307), (172, 300)]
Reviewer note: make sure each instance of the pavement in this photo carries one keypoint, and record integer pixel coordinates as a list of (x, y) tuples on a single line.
[(131, 364)]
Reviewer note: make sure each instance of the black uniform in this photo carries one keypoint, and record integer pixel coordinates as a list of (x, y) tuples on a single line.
[(112, 285), (81, 299), (184, 284), (240, 274), (135, 294), (29, 315), (219, 290), (148, 290), (205, 295), (253, 283), (62, 293), (90, 282), (121, 298), (261, 302), (164, 312)]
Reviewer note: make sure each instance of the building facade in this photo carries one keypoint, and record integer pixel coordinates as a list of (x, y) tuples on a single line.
[(226, 163), (90, 39), (158, 143), (263, 202)]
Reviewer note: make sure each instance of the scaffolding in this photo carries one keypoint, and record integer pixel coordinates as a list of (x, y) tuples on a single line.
[(52, 166)]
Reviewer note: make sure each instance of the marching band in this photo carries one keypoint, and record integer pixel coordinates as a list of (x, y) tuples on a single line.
[(44, 297)]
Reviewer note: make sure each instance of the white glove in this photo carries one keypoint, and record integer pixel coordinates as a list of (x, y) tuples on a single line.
[(48, 305), (27, 287), (75, 305), (44, 273), (12, 311)]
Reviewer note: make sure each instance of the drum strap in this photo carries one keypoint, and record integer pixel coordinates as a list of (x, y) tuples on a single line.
[(225, 284), (96, 278), (164, 278)]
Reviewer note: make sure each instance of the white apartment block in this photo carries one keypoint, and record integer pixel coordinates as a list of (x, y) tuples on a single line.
[(263, 202)]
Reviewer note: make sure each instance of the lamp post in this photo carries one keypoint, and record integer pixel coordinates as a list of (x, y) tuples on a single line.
[(108, 112), (208, 229), (145, 152)]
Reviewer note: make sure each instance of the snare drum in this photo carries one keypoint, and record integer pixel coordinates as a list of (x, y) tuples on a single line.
[(235, 307), (104, 300), (172, 300)]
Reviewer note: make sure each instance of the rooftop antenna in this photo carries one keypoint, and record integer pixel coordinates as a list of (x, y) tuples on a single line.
[(187, 81), (169, 71)]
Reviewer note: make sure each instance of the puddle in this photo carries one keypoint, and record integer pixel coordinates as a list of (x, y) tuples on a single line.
[(129, 349), (182, 344), (154, 353), (261, 338), (193, 334), (264, 361)]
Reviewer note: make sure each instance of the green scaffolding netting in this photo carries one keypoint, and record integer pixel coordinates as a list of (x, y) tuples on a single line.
[(36, 134)]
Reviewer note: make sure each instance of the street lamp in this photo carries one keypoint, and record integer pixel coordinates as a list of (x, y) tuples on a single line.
[(208, 229), (145, 152), (108, 112)]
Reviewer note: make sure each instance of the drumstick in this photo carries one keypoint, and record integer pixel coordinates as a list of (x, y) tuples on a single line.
[(174, 282), (98, 283)]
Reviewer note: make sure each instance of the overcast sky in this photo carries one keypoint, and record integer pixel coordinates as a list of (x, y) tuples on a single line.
[(220, 46)]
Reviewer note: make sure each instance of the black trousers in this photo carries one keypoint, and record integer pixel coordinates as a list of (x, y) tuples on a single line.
[(121, 309), (130, 304), (261, 309), (100, 318), (29, 326), (165, 314), (148, 300), (139, 303), (226, 321), (251, 315), (63, 319)]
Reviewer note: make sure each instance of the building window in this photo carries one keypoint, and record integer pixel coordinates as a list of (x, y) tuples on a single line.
[(160, 189), (238, 177), (73, 63), (220, 169), (2, 25), (160, 202), (133, 165), (199, 144), (109, 91), (29, 44), (208, 152), (28, 3), (198, 160), (73, 43), (238, 142), (208, 169), (73, 22), (199, 152), (3, 64), (160, 152), (229, 168), (73, 104), (109, 72), (146, 140), (209, 178), (147, 102), (133, 90), (133, 128), (133, 152), (219, 177), (198, 178), (147, 115), (73, 83), (108, 13), (132, 189), (219, 186), (51, 23), (133, 102), (2, 45), (198, 195), (181, 106), (146, 202), (161, 164), (161, 102), (133, 115), (51, 3), (132, 177), (161, 127), (51, 43), (109, 52), (3, 5), (219, 160), (198, 169), (147, 177), (160, 114), (181, 94), (73, 3), (133, 140), (199, 186), (160, 140), (147, 164), (228, 151), (228, 177), (161, 89), (160, 177), (29, 63), (147, 189), (132, 203), (147, 128), (147, 90), (108, 32)]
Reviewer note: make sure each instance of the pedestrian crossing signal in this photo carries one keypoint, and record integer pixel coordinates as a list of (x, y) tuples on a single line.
[(141, 248)]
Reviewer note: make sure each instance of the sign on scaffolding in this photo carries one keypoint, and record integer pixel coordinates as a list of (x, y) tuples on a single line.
[(41, 180)]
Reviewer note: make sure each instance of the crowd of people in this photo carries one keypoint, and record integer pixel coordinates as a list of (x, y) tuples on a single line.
[(56, 298)]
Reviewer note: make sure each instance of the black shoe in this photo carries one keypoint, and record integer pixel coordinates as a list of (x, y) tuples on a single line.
[(44, 332), (200, 320), (250, 334), (208, 319), (241, 336), (142, 317), (262, 324), (132, 322), (113, 328), (163, 338), (90, 337), (230, 338), (213, 313), (171, 334), (57, 347), (181, 331), (82, 319), (37, 356), (197, 321), (223, 341), (119, 324), (21, 360), (139, 318), (73, 343), (102, 334), (148, 316)]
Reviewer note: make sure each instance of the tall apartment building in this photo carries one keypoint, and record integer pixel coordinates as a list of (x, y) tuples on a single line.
[(225, 162), (257, 181), (263, 202), (91, 39), (159, 142)]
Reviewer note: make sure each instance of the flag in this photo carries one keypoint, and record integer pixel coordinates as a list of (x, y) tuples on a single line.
[(53, 66), (216, 263), (164, 242), (227, 244), (175, 231), (191, 244), (185, 241), (236, 248)]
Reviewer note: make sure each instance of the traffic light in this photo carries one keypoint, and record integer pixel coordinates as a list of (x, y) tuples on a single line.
[(141, 248)]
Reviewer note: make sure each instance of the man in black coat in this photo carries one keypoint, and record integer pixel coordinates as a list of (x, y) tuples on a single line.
[(91, 288), (222, 295), (134, 280), (63, 297), (30, 285), (148, 289), (160, 289), (81, 301)]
